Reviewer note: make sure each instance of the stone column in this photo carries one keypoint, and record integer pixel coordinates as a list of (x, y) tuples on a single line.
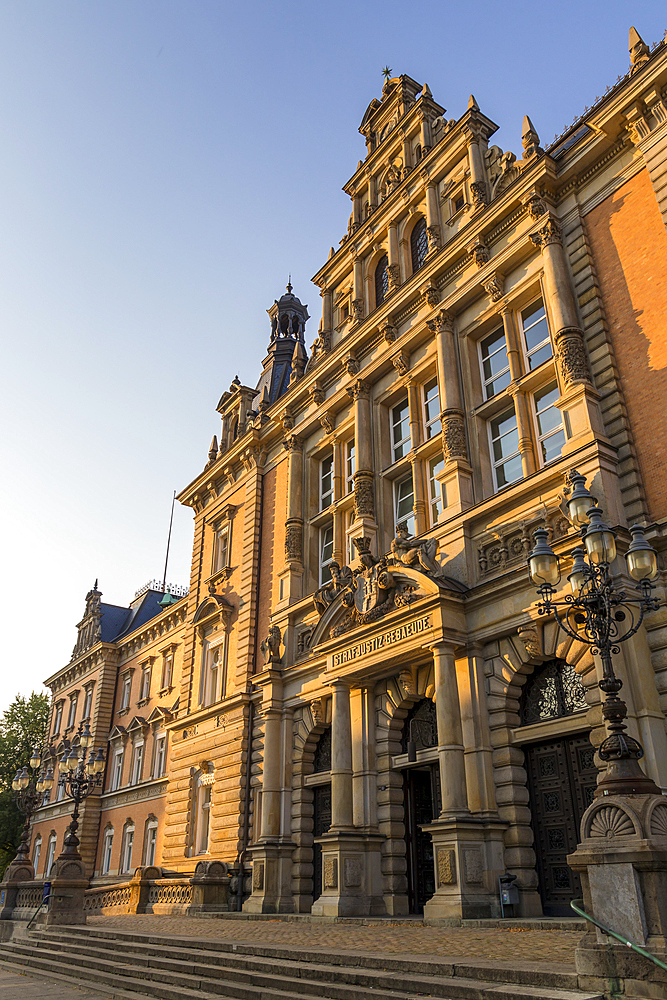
[(450, 734), (432, 217), (291, 578), (478, 188), (407, 154), (456, 477), (528, 465), (341, 758), (578, 400), (424, 132), (364, 490), (393, 267), (358, 289), (272, 852), (467, 849), (514, 354)]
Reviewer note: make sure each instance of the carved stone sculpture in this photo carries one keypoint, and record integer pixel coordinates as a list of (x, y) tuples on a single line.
[(415, 552), (494, 287), (341, 577), (479, 253), (549, 233), (364, 494), (479, 194), (530, 638), (270, 646), (293, 541), (401, 362), (433, 238), (571, 356), (394, 276), (453, 435)]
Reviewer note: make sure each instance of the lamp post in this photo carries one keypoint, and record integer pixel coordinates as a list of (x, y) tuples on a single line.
[(29, 787), (602, 615), (80, 770)]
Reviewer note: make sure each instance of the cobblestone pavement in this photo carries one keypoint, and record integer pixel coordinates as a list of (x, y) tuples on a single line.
[(553, 947), (16, 986)]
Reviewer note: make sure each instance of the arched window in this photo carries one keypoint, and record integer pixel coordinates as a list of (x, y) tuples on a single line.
[(418, 245), (381, 280), (50, 853), (201, 798), (322, 758), (420, 726), (150, 840), (36, 851), (554, 690), (107, 848)]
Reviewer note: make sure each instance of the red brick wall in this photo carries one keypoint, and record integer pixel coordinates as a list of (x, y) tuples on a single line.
[(629, 244)]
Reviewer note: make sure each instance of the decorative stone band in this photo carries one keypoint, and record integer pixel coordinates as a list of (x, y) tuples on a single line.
[(571, 356), (433, 237), (364, 495), (549, 233), (294, 540), (453, 435), (479, 193)]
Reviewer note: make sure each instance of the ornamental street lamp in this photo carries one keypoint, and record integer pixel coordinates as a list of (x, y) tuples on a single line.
[(80, 770), (29, 787), (602, 615)]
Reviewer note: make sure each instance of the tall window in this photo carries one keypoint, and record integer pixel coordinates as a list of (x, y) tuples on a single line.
[(126, 692), (505, 449), (71, 715), (381, 280), (432, 424), (58, 718), (150, 842), (203, 817), (495, 364), (50, 854), (126, 850), (326, 552), (404, 501), (160, 764), (107, 848), (117, 770), (88, 702), (167, 669), (536, 334), (350, 466), (434, 488), (212, 674), (326, 482), (400, 430), (36, 851), (221, 549), (137, 763), (418, 245), (145, 686), (551, 436)]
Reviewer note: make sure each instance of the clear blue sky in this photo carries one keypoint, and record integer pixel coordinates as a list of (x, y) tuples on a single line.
[(163, 166)]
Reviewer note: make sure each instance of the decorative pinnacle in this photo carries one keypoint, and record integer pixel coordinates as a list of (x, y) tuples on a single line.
[(289, 284), (386, 72)]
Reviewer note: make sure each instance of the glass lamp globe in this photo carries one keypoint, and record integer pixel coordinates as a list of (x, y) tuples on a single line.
[(580, 500), (543, 563), (15, 781), (599, 539), (577, 578), (48, 780), (36, 759), (641, 557), (39, 785), (63, 766), (24, 778), (86, 738)]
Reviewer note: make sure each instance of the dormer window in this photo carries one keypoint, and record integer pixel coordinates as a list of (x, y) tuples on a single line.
[(381, 280), (418, 245)]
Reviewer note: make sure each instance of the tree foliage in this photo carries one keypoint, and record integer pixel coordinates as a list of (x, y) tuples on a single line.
[(22, 727)]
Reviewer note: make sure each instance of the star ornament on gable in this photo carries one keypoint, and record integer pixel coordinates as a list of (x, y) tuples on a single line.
[(386, 72)]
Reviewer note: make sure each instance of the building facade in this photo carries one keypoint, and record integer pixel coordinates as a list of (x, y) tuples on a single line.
[(357, 699)]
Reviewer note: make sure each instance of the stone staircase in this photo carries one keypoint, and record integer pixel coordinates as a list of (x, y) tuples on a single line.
[(123, 965)]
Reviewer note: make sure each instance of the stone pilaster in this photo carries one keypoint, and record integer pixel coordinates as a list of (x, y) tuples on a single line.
[(292, 575), (364, 480)]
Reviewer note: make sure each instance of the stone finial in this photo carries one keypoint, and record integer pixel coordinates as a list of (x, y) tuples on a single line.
[(639, 50), (530, 140), (331, 253), (213, 450), (426, 91), (472, 104), (299, 361)]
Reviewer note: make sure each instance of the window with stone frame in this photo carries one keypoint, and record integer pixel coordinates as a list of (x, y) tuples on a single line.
[(126, 692), (88, 701), (535, 335), (213, 672), (431, 402), (326, 552), (381, 280), (71, 714), (137, 763), (436, 506), (401, 441), (404, 502), (494, 363), (107, 851), (127, 848), (167, 672), (326, 481), (58, 718), (420, 726), (505, 454), (221, 548), (549, 421), (160, 757), (418, 245), (145, 682), (350, 466), (117, 769), (50, 854), (150, 840), (36, 851)]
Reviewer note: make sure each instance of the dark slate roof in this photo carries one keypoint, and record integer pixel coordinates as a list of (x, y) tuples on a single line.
[(113, 621), (142, 610)]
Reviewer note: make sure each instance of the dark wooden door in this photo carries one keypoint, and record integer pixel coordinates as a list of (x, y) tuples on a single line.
[(421, 793), (562, 779), (321, 823)]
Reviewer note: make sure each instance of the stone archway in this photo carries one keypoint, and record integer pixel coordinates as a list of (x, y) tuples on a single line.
[(310, 722)]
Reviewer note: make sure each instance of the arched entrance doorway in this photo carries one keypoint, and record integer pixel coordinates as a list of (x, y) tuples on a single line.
[(422, 800), (562, 777)]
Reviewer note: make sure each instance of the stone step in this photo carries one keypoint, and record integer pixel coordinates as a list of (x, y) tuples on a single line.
[(247, 969), (544, 975), (184, 968)]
